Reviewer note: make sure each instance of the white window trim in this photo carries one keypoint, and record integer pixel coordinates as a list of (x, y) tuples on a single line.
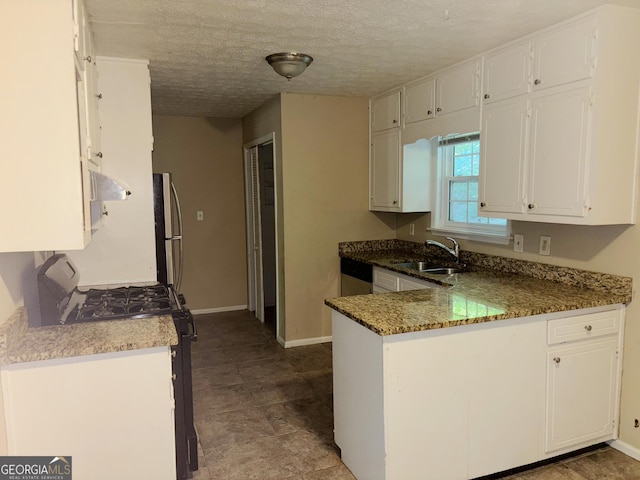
[(441, 226)]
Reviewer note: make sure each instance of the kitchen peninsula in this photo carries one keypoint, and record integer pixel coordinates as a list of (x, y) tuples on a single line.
[(494, 371)]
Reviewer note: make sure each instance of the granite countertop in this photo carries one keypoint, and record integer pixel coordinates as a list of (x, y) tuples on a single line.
[(21, 343), (494, 288)]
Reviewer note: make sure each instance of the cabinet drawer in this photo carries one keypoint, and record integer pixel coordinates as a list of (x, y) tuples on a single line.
[(583, 327), (385, 280)]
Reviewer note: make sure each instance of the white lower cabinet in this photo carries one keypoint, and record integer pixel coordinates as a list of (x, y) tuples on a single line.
[(469, 401), (387, 281), (112, 413)]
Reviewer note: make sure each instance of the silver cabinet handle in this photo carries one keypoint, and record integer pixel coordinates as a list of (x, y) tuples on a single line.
[(429, 112), (537, 81), (486, 96), (438, 109), (395, 121), (587, 328), (482, 204), (395, 202), (531, 206), (556, 359)]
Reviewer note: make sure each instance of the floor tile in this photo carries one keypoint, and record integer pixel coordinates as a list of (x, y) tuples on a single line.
[(226, 374), (308, 414), (559, 472), (608, 464), (226, 398), (339, 472), (229, 428), (282, 389)]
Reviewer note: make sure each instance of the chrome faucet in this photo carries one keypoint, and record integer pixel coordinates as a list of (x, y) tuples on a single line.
[(455, 251)]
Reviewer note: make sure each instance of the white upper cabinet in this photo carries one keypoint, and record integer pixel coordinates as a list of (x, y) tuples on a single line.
[(384, 171), (420, 101), (565, 55), (385, 111), (454, 89), (458, 88), (575, 159), (43, 154), (507, 73)]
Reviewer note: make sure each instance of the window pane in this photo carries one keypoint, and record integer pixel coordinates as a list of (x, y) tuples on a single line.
[(458, 211), (475, 170), (472, 209), (462, 166), (458, 190), (473, 190)]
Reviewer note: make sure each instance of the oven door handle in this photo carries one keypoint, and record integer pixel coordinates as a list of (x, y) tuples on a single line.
[(194, 335)]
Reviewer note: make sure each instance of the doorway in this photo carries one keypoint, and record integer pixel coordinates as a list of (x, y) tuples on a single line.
[(262, 252)]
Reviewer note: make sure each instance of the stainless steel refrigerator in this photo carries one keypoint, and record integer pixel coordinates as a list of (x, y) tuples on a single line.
[(168, 226)]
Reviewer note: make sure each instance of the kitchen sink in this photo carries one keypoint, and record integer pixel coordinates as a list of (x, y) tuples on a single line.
[(419, 266), (427, 267)]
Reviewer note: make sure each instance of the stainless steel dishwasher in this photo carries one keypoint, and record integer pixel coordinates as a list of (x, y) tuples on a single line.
[(356, 277)]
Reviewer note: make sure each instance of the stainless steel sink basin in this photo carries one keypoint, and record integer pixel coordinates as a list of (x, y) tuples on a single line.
[(427, 267), (419, 266), (444, 270)]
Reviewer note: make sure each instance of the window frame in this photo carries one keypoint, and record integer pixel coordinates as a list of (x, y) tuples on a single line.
[(440, 223)]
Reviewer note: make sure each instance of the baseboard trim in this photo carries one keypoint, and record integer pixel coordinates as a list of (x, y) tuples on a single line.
[(230, 308), (625, 448), (307, 341)]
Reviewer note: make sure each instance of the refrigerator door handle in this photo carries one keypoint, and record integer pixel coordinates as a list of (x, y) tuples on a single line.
[(178, 238)]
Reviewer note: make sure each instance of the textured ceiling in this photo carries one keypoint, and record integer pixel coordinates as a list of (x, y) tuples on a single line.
[(207, 56)]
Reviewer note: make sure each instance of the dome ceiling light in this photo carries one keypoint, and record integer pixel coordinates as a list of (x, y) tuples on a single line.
[(289, 64)]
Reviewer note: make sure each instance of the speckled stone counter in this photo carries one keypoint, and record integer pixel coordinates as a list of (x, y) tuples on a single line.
[(490, 290), (21, 343)]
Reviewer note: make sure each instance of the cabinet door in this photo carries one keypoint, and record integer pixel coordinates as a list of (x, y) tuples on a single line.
[(385, 112), (506, 73), (565, 55), (581, 393), (419, 101), (385, 170), (457, 89), (559, 154), (502, 160)]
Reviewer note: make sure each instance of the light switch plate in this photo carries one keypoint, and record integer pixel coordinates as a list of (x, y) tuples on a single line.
[(518, 243), (412, 229), (545, 245)]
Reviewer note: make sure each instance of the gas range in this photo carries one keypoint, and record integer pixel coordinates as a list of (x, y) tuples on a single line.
[(121, 302), (62, 302)]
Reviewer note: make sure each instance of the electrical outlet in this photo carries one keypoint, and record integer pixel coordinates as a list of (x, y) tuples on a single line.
[(545, 245), (518, 243), (199, 215), (412, 229)]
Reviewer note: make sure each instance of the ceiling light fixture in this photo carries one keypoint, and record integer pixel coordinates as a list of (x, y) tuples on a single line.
[(289, 64)]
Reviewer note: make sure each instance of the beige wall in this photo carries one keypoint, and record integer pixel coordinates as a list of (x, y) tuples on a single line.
[(610, 249), (204, 156), (325, 191), (267, 120)]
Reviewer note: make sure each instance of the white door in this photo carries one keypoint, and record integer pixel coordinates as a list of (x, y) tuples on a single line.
[(559, 153), (385, 170), (502, 161), (581, 384)]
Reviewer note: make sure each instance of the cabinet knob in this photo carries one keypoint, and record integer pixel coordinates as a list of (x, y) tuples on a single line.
[(395, 202), (556, 359), (438, 109), (99, 96), (587, 328), (531, 206), (537, 81), (486, 96), (88, 58), (429, 112), (99, 154), (395, 121), (482, 204)]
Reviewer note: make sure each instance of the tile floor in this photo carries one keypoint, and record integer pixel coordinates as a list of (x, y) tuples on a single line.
[(263, 412)]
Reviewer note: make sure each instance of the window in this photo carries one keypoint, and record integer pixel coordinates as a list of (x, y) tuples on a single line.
[(457, 201)]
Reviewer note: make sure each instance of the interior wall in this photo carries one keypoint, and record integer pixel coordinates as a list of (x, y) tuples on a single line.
[(204, 156), (325, 174), (265, 120), (609, 249)]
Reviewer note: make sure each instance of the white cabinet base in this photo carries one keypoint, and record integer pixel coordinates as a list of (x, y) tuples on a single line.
[(112, 413), (463, 402)]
